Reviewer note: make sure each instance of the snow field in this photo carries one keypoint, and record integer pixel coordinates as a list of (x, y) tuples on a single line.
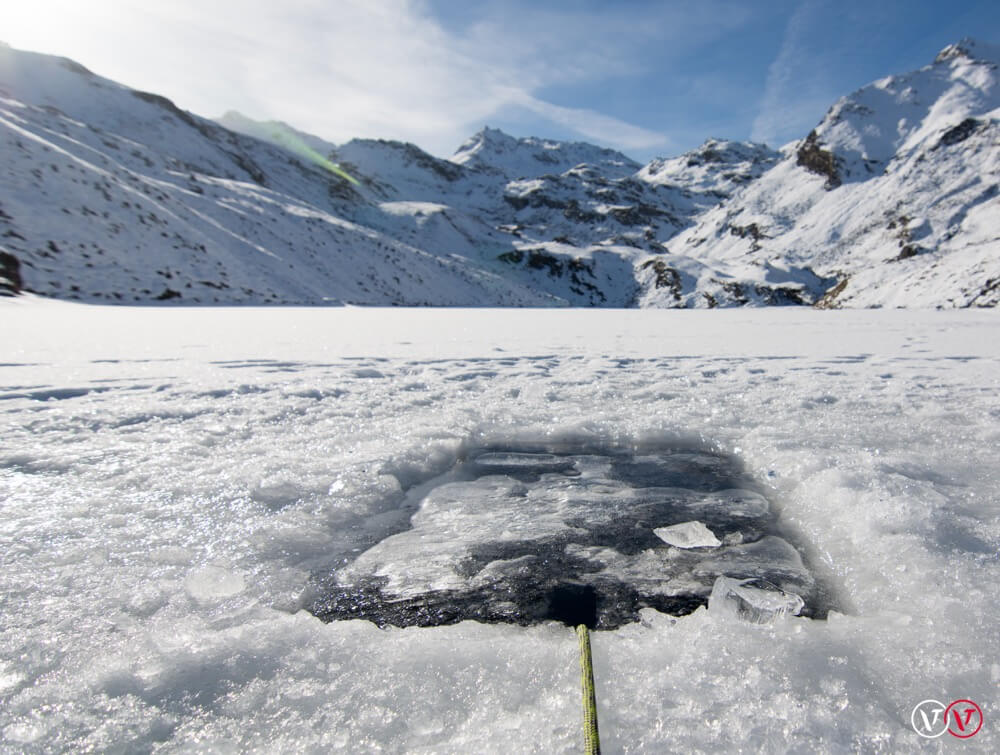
[(172, 480)]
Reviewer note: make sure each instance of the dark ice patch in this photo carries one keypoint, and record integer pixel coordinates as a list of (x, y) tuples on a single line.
[(605, 561)]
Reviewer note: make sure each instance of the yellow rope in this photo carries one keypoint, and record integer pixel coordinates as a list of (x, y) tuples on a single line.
[(592, 740)]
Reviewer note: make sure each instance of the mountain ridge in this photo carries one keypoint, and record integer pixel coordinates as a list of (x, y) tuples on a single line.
[(892, 195), (116, 195)]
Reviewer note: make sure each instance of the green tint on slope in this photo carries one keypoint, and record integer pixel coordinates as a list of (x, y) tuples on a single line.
[(294, 143)]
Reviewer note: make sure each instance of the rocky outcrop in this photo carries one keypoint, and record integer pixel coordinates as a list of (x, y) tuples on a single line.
[(811, 156), (664, 277), (961, 132), (10, 274)]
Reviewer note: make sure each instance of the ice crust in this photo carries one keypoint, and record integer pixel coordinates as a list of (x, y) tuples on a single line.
[(141, 447)]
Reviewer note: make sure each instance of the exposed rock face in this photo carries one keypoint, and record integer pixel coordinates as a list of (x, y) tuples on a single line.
[(10, 274), (811, 156), (961, 132), (665, 277)]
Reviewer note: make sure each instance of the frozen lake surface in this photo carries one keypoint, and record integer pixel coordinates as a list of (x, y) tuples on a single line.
[(178, 486)]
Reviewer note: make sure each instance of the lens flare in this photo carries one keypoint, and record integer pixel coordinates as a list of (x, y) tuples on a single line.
[(294, 143)]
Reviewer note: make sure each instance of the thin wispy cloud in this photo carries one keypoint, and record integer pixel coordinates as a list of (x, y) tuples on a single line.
[(822, 57), (352, 68), (596, 126), (781, 108), (650, 77)]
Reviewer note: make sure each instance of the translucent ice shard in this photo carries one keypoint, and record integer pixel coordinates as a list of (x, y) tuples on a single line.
[(688, 535), (754, 600)]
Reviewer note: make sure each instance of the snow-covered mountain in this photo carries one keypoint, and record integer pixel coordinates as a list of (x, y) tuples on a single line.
[(110, 194), (115, 195), (495, 151), (718, 168), (891, 201)]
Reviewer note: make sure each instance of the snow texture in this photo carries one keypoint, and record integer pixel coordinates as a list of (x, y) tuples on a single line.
[(172, 481)]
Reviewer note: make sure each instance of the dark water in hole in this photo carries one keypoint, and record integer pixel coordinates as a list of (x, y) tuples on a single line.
[(529, 534)]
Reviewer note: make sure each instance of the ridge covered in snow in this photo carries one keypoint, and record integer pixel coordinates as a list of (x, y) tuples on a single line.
[(115, 195), (717, 167), (890, 201), (492, 149)]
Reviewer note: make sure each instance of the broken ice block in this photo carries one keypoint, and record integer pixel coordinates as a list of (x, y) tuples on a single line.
[(755, 600), (688, 535)]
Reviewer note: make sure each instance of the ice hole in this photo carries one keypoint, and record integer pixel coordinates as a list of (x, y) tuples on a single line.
[(573, 605), (580, 533)]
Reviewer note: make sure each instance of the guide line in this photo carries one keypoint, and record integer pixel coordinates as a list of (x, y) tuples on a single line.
[(592, 739)]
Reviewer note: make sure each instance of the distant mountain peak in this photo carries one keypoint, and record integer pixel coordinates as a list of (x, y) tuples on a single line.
[(892, 197), (275, 132), (864, 131), (494, 135), (486, 139), (714, 149), (493, 150), (718, 167), (971, 49)]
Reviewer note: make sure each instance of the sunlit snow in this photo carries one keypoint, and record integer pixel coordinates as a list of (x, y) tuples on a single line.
[(174, 481)]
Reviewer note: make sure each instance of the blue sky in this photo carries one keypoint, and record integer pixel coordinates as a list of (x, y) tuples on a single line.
[(649, 78)]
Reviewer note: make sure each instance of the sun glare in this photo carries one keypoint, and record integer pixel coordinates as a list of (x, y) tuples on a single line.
[(44, 25)]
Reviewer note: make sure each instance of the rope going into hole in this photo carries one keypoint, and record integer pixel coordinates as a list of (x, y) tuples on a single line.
[(592, 740)]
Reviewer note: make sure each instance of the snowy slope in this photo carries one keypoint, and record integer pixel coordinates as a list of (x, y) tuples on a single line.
[(111, 194), (171, 488), (115, 195), (891, 201), (568, 219)]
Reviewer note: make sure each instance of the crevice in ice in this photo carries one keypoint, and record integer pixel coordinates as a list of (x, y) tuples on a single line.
[(576, 532)]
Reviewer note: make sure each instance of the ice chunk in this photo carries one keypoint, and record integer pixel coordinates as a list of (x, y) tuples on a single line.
[(213, 583), (755, 600), (771, 557), (688, 535)]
